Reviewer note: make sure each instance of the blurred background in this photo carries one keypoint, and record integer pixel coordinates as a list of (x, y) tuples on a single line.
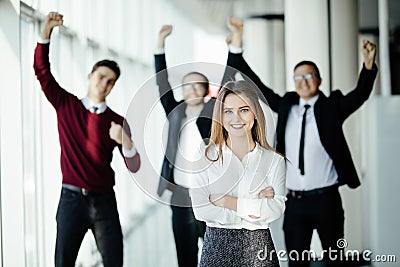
[(278, 34)]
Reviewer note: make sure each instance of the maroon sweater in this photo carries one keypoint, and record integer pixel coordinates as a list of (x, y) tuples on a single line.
[(86, 147)]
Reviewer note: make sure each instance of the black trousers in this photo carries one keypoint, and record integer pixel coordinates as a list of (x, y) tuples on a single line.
[(187, 230), (323, 212), (95, 211)]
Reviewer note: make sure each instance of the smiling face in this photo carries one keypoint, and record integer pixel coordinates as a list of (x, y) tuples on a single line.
[(101, 81), (238, 118), (306, 81), (194, 89)]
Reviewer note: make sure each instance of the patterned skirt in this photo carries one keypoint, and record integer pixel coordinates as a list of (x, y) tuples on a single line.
[(238, 247)]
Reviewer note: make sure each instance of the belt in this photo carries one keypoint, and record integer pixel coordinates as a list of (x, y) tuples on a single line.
[(76, 189), (314, 192)]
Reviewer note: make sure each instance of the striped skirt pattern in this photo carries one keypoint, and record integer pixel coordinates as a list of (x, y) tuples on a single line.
[(238, 248)]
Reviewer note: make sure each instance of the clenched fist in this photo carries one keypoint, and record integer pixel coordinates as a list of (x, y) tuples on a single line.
[(164, 32), (116, 132), (368, 50), (52, 20), (235, 25)]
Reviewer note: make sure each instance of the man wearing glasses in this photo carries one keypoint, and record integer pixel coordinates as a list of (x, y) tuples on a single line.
[(189, 124), (309, 133)]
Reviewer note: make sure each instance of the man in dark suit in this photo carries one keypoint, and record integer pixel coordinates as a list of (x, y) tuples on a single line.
[(309, 132), (189, 126)]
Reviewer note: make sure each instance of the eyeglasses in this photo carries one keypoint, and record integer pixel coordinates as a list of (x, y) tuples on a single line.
[(307, 76), (190, 86)]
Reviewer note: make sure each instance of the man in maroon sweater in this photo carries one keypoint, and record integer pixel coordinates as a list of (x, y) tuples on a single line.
[(88, 131)]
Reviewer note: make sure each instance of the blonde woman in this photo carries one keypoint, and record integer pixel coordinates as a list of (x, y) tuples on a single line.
[(227, 184)]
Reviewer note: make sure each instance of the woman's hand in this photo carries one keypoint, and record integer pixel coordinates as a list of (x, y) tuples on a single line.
[(224, 201), (267, 193)]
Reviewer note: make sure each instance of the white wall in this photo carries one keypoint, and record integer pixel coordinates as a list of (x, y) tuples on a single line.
[(12, 213), (382, 181)]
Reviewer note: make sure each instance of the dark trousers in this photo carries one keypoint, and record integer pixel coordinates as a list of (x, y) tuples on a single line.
[(322, 212), (187, 231), (95, 211)]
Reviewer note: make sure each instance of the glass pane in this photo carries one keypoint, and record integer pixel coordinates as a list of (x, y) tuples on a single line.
[(29, 98)]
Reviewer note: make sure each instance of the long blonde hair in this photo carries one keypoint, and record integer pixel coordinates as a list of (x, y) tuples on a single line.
[(218, 133)]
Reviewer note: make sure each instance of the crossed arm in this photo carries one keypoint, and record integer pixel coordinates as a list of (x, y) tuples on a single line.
[(227, 209)]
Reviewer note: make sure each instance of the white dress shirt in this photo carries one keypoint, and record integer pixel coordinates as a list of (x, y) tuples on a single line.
[(89, 105), (319, 170), (43, 41), (159, 51), (189, 142), (243, 179)]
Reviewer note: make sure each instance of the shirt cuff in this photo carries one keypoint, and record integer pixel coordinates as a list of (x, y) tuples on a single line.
[(246, 207), (159, 51), (129, 153), (235, 50), (43, 41)]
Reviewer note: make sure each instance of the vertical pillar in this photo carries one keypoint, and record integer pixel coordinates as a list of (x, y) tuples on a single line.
[(264, 50), (257, 47), (383, 9), (307, 38), (345, 51)]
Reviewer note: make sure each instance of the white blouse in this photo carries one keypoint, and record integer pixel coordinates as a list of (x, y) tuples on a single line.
[(244, 179)]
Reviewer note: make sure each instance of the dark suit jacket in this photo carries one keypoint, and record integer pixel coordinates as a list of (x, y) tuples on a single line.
[(175, 112), (330, 113)]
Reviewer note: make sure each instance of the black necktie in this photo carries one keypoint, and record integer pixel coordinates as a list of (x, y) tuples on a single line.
[(94, 109), (301, 150)]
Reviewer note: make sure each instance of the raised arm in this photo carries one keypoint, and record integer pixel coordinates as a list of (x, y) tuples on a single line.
[(52, 20), (229, 73), (167, 96), (353, 100), (52, 90), (236, 60)]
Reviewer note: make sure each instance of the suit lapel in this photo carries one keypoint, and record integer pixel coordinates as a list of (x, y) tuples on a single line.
[(204, 120), (290, 99), (175, 121), (317, 109)]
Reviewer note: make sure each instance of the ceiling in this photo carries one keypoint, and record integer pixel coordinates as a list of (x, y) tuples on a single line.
[(211, 15)]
